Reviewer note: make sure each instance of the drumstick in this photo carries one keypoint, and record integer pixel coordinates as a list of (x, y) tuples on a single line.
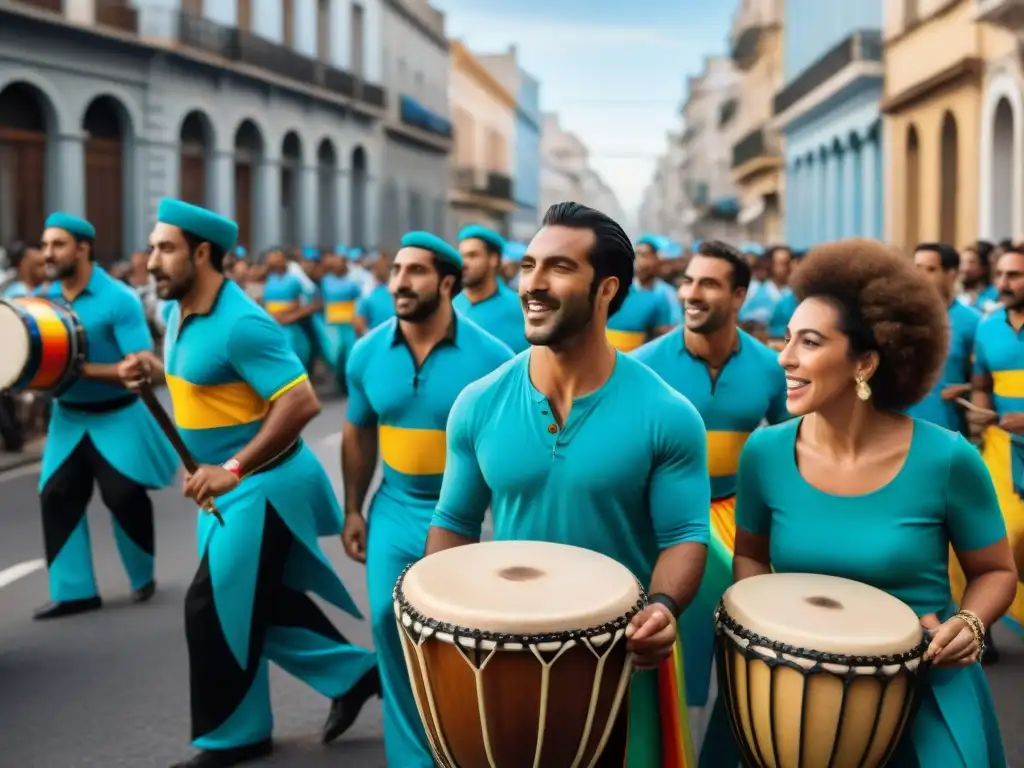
[(972, 407), (172, 434)]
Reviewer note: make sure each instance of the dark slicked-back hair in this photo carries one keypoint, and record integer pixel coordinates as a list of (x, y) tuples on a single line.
[(216, 252), (612, 254), (885, 306), (716, 249), (948, 256)]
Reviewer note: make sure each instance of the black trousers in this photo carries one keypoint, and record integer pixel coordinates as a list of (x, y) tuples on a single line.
[(11, 430), (65, 498), (219, 685)]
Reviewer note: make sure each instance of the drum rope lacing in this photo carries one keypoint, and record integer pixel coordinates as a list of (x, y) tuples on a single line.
[(754, 639), (508, 637)]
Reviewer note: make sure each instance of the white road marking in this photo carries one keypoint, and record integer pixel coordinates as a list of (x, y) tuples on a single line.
[(14, 474), (10, 575)]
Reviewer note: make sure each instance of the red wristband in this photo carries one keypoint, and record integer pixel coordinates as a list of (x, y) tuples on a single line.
[(232, 466)]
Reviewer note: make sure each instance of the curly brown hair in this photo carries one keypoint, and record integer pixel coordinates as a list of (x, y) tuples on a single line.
[(885, 306)]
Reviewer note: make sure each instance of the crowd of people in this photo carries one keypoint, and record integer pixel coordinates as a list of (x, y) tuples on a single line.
[(770, 410)]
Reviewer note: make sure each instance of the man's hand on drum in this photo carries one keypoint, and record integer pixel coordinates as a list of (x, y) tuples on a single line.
[(208, 482), (953, 643), (134, 371), (651, 635)]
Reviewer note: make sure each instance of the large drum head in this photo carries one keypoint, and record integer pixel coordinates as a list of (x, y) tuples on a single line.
[(521, 587), (825, 613), (15, 346)]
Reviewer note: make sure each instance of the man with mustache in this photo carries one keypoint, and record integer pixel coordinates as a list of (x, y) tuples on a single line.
[(241, 399), (736, 384), (647, 311), (577, 443), (485, 299), (100, 434), (403, 377), (998, 394)]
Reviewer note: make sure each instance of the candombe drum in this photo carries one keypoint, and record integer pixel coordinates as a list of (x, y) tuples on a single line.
[(817, 671), (42, 345), (517, 652)]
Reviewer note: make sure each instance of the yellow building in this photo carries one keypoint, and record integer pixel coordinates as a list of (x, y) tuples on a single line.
[(757, 160), (484, 113), (935, 80)]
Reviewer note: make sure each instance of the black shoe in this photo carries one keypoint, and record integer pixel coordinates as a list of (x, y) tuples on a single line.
[(224, 758), (58, 609), (345, 710), (144, 593)]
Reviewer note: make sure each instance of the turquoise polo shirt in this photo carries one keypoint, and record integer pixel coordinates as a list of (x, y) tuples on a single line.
[(223, 370), (376, 307), (409, 404), (640, 315), (626, 475), (282, 293), (340, 295), (963, 325), (500, 314), (671, 294), (115, 327), (999, 352), (750, 389), (16, 290), (782, 314)]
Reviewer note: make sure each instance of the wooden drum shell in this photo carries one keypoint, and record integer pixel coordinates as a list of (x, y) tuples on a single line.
[(792, 708)]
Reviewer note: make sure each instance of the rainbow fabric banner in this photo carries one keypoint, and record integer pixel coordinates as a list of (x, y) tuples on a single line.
[(659, 730)]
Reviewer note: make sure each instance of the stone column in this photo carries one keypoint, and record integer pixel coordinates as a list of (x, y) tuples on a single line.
[(220, 180), (267, 226), (343, 208), (870, 188), (819, 205), (65, 175), (309, 206), (372, 213), (851, 205)]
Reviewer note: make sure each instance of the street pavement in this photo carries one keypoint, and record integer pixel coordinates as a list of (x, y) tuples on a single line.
[(111, 688)]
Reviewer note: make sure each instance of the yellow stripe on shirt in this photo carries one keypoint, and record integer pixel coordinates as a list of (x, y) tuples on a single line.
[(626, 341), (413, 451), (208, 406), (724, 450), (337, 312), (277, 307), (1008, 383)]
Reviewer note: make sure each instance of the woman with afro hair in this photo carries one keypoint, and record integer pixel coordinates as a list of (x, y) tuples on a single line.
[(852, 487)]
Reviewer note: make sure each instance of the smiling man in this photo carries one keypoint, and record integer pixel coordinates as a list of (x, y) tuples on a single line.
[(642, 501), (484, 298), (736, 384), (403, 378)]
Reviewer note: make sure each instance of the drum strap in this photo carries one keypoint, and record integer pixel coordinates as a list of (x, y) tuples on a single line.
[(103, 406)]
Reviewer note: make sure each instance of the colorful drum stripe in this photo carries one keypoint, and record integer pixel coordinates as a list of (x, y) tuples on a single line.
[(53, 343)]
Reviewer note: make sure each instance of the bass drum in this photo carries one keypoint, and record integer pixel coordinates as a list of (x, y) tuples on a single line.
[(42, 346)]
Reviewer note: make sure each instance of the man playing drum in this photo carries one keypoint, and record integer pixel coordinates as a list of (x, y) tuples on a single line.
[(403, 378), (576, 443), (735, 382), (241, 399), (99, 433)]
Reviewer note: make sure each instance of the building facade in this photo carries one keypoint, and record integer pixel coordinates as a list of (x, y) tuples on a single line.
[(525, 149), (757, 160), (272, 120), (829, 113), (417, 128), (1001, 160), (663, 209), (709, 114), (935, 84), (484, 113), (566, 173)]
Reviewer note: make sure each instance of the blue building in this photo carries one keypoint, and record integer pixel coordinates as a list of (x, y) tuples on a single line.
[(525, 150), (829, 112)]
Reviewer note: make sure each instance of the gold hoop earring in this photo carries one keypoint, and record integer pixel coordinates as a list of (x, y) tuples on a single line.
[(863, 389)]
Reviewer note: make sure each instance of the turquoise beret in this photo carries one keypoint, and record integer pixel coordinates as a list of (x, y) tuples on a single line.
[(240, 252), (74, 224), (650, 240), (210, 226), (754, 248), (354, 254), (435, 245), (311, 253), (514, 251), (489, 236)]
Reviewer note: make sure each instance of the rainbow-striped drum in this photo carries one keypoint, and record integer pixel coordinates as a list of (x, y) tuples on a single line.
[(42, 345)]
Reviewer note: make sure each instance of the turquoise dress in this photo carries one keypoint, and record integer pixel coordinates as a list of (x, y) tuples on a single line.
[(896, 538)]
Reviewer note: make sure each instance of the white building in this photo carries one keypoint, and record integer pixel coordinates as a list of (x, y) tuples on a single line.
[(566, 173), (665, 210)]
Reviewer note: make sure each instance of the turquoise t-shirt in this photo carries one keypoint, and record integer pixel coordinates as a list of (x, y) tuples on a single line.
[(340, 294), (626, 475), (671, 294), (500, 314), (223, 370), (115, 327), (963, 325), (750, 389), (641, 314), (896, 538), (376, 307), (782, 313), (999, 353), (409, 405)]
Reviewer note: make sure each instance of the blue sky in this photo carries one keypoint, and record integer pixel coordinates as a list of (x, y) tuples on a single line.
[(615, 75)]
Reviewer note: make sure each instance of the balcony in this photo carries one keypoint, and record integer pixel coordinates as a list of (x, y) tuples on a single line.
[(207, 36), (118, 16), (53, 6), (371, 94), (1008, 14), (861, 46), (760, 143), (258, 52), (487, 184), (415, 114)]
